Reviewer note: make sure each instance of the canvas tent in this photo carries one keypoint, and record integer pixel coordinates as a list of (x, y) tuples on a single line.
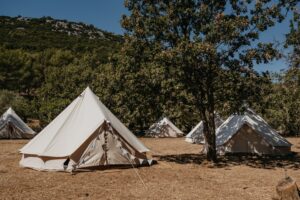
[(86, 134), (163, 128), (13, 127), (249, 133), (196, 135)]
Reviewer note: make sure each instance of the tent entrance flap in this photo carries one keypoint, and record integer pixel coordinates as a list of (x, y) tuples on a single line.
[(107, 148)]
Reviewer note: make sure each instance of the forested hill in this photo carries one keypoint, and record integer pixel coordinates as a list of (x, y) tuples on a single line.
[(45, 63), (36, 34)]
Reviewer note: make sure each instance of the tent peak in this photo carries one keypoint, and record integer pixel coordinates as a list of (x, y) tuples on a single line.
[(10, 110), (88, 88)]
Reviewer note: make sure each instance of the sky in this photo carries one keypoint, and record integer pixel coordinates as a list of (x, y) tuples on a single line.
[(106, 14)]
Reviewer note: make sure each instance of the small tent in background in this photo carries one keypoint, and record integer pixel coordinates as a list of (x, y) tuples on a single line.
[(249, 133), (196, 135), (163, 128), (13, 127), (86, 134)]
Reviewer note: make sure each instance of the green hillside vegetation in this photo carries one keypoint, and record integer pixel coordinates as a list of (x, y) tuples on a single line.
[(43, 59), (36, 34)]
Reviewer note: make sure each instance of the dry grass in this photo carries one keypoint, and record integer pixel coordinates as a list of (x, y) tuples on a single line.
[(181, 173)]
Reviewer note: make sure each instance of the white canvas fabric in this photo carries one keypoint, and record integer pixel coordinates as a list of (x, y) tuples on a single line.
[(13, 127), (164, 128), (253, 131), (82, 131), (196, 135)]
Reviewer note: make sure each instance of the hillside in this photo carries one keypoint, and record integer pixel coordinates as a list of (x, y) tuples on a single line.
[(45, 63), (36, 34)]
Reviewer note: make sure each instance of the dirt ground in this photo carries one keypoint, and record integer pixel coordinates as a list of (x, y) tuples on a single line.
[(181, 173)]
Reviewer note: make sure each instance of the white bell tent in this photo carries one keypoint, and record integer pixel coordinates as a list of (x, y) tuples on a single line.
[(13, 127), (196, 135), (86, 134), (163, 128), (250, 133)]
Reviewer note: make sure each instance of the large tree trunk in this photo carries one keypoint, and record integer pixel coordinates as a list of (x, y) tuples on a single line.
[(210, 136), (209, 119)]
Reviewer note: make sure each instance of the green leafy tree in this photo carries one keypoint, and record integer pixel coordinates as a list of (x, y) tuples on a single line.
[(293, 40), (204, 47), (284, 101), (285, 98), (17, 102), (20, 71)]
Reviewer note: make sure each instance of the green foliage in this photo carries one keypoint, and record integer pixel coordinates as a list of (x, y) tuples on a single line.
[(46, 63), (37, 34), (206, 48), (62, 84), (284, 110), (284, 102), (19, 70), (11, 99), (293, 39)]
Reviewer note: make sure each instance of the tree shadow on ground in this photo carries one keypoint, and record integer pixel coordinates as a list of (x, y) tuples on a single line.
[(268, 162)]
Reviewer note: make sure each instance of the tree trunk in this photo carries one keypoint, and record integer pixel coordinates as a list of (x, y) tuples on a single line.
[(210, 137), (209, 120)]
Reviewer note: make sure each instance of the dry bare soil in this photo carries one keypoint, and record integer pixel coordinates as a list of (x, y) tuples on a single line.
[(181, 173)]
